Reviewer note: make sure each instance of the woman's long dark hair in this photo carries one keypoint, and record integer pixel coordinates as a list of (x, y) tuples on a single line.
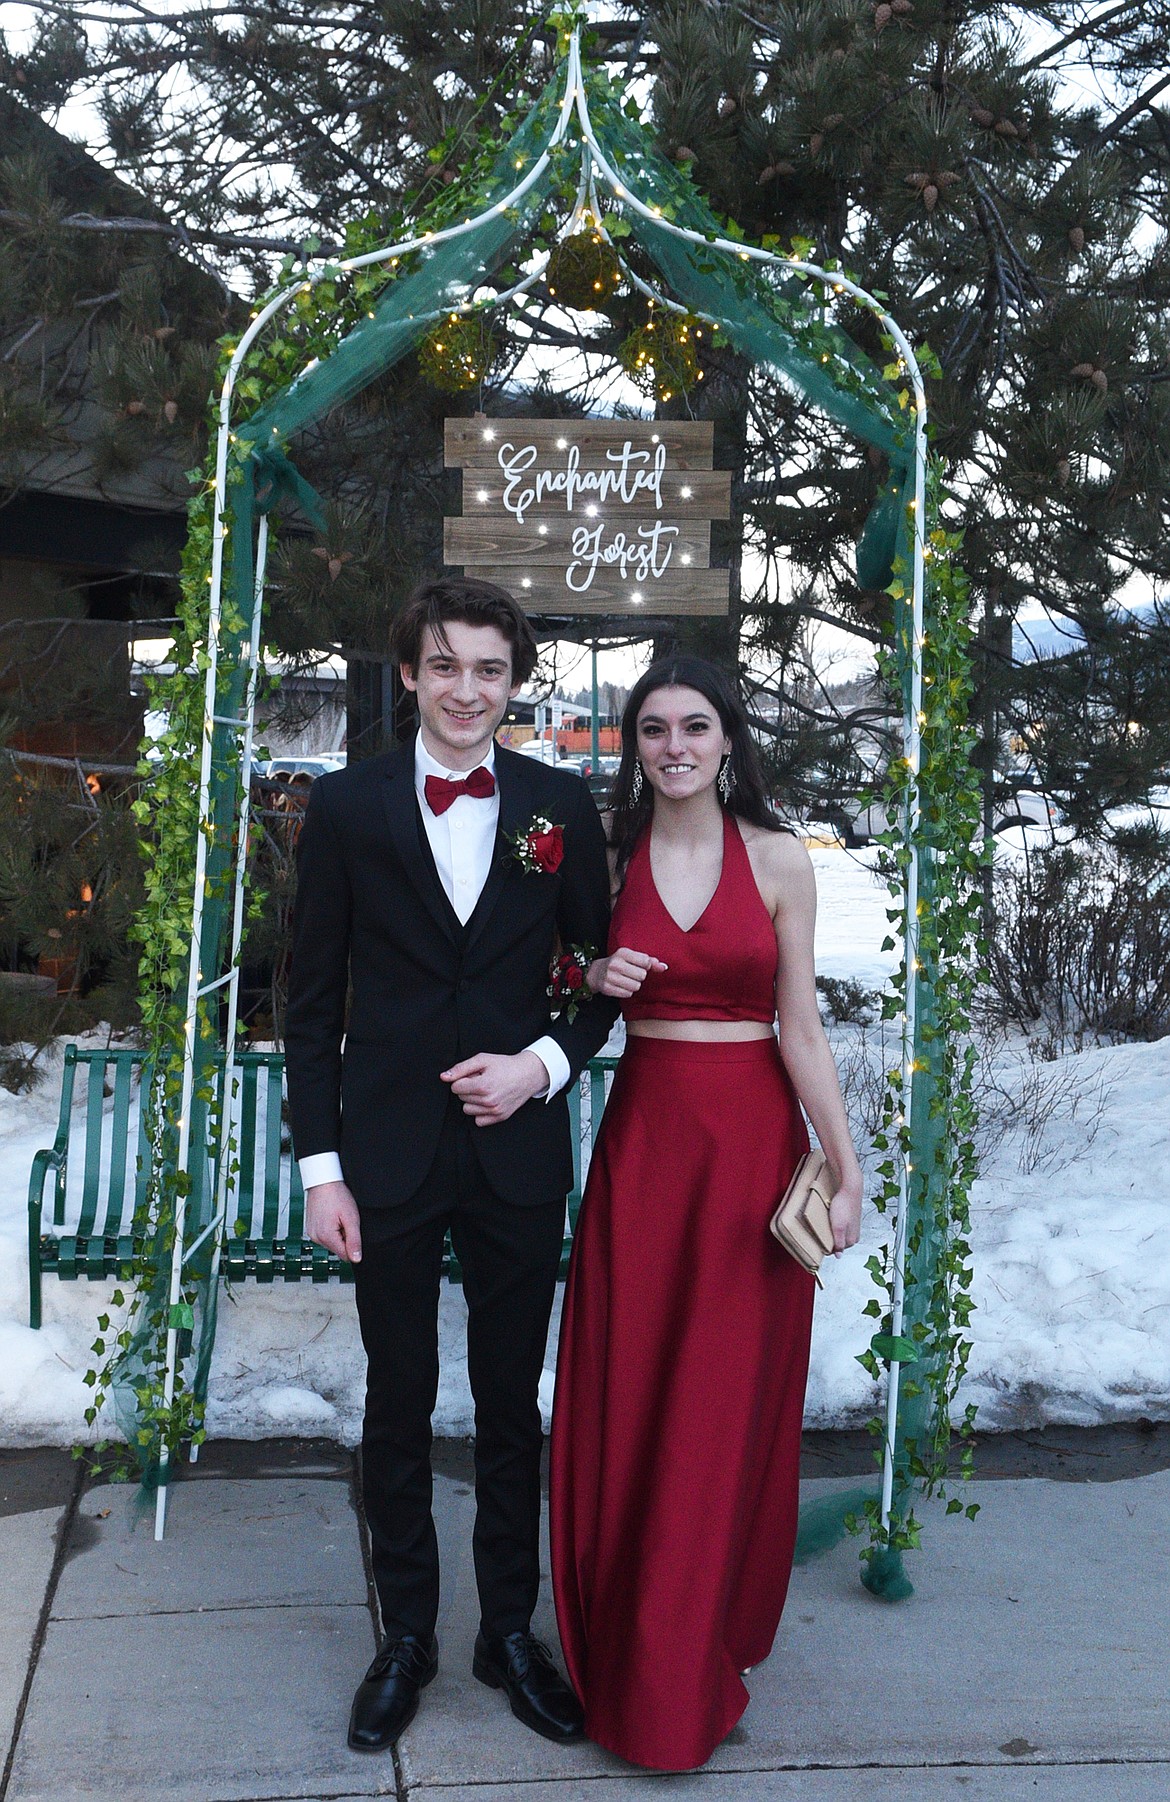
[(748, 801)]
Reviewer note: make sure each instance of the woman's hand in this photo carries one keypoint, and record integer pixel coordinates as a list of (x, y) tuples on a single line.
[(845, 1213), (621, 975)]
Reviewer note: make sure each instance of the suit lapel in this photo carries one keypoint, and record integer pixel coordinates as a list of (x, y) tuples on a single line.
[(516, 807), (401, 804)]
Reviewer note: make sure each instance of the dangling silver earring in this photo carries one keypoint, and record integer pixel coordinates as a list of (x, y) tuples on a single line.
[(636, 784), (726, 779)]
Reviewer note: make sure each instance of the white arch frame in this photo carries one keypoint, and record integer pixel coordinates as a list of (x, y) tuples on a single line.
[(574, 101)]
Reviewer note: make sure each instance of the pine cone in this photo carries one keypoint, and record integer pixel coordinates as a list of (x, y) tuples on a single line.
[(1063, 472), (1082, 369), (833, 120), (902, 7), (816, 142), (1004, 128), (170, 411), (135, 407), (930, 196), (684, 154), (1100, 381), (982, 116), (882, 15), (727, 106), (1076, 238), (917, 179)]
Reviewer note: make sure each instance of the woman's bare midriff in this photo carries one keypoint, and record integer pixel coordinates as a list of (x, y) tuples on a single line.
[(698, 1029)]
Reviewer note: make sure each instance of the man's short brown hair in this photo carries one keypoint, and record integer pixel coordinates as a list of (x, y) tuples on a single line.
[(447, 598)]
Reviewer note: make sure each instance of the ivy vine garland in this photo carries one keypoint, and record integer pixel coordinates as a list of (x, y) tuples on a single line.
[(935, 1351), (665, 356)]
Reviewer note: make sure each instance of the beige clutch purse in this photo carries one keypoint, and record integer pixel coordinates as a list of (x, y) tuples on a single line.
[(801, 1222)]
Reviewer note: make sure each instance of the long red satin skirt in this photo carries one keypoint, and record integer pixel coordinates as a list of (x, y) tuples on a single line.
[(680, 1389)]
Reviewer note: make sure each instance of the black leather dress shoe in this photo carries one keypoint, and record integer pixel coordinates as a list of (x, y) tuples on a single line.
[(387, 1696), (522, 1665)]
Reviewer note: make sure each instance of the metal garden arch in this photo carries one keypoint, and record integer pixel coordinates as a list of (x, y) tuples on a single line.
[(233, 648)]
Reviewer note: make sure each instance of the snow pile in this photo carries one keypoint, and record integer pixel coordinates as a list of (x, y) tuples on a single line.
[(1071, 1239)]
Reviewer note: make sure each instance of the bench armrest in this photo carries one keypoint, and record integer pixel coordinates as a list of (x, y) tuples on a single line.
[(44, 1161)]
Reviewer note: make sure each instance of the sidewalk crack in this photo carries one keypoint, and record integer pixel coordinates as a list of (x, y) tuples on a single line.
[(64, 1534)]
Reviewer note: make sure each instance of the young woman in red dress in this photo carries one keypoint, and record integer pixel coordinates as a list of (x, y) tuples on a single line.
[(685, 1332)]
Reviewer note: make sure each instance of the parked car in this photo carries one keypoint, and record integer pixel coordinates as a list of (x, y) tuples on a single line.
[(1027, 807), (319, 765)]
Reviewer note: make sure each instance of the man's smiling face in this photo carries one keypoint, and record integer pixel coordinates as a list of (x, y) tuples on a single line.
[(463, 685)]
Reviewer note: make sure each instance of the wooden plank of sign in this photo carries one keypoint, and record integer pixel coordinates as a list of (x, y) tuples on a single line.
[(496, 538), (687, 494), (464, 444), (690, 591)]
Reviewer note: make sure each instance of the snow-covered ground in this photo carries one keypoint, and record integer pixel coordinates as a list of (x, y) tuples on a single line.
[(1071, 1238)]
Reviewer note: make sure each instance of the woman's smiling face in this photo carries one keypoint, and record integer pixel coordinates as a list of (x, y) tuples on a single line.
[(681, 742)]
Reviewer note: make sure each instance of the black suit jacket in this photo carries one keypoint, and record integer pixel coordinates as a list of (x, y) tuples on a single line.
[(371, 912)]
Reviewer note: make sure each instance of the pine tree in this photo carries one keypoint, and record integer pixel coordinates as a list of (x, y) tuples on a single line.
[(945, 150)]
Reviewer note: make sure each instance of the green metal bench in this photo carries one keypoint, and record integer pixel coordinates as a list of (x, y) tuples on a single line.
[(96, 1192), (99, 1166)]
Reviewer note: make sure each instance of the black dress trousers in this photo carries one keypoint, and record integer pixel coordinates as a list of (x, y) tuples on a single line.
[(510, 1256)]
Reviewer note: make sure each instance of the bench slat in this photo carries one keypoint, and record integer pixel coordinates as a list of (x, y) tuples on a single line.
[(272, 1153), (119, 1137), (91, 1182), (68, 1077), (296, 1202), (247, 1177)]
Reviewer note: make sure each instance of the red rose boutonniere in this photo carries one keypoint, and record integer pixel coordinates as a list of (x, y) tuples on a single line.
[(567, 987), (540, 847)]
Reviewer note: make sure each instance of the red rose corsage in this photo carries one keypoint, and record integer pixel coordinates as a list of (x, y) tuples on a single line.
[(540, 847), (567, 987)]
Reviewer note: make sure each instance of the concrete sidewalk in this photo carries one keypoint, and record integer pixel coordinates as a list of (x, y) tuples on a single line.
[(1032, 1661)]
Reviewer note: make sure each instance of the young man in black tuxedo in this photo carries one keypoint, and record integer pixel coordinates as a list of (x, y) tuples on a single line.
[(446, 1109)]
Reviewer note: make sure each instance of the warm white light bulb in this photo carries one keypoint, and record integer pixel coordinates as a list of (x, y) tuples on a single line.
[(686, 493)]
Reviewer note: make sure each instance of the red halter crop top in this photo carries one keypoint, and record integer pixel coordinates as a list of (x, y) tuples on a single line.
[(724, 968)]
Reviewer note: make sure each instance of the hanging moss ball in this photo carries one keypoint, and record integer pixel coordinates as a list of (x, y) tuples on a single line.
[(583, 272), (662, 356), (458, 353)]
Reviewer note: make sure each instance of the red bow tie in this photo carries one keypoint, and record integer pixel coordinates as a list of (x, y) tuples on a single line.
[(441, 793)]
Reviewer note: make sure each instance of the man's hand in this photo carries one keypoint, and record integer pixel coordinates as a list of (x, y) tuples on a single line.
[(331, 1220), (492, 1086)]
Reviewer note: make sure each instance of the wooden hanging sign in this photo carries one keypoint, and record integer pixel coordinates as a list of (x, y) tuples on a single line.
[(605, 516)]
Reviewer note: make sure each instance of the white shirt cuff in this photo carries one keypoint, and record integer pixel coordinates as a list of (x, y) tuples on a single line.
[(555, 1062), (321, 1167)]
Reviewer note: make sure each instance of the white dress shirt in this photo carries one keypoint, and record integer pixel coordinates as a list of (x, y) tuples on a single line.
[(462, 842)]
